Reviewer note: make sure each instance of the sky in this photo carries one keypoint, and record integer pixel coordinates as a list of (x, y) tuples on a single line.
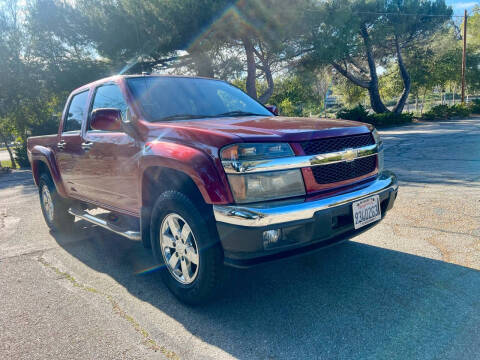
[(460, 5)]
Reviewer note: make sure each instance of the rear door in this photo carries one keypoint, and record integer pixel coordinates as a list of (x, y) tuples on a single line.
[(110, 162), (69, 150)]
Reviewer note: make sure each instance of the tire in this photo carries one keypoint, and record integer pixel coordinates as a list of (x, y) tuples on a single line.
[(203, 279), (54, 207)]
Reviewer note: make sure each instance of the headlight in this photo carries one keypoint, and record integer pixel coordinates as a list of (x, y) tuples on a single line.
[(260, 151), (266, 186), (376, 136), (261, 186)]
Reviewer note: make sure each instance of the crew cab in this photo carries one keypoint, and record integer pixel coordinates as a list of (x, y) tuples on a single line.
[(205, 176)]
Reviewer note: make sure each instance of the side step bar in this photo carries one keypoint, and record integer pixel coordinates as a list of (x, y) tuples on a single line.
[(132, 235)]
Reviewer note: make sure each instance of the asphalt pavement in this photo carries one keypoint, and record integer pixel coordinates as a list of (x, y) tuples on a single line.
[(407, 289), (4, 155)]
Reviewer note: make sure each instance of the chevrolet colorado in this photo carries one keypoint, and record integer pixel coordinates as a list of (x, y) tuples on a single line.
[(205, 175)]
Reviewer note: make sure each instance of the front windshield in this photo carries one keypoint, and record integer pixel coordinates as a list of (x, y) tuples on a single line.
[(170, 98)]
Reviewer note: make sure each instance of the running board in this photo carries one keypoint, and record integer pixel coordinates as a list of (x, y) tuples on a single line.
[(132, 235)]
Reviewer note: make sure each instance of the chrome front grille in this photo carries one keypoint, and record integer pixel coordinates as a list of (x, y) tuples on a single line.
[(323, 146)]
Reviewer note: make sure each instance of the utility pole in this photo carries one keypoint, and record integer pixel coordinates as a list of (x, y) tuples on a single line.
[(464, 56)]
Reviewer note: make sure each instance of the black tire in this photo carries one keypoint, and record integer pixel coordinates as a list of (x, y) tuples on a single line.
[(57, 218), (210, 269)]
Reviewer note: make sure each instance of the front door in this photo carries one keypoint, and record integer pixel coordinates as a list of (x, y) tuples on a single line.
[(110, 165), (69, 150)]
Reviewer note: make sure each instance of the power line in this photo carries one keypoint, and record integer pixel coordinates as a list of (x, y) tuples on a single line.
[(405, 14), (393, 13)]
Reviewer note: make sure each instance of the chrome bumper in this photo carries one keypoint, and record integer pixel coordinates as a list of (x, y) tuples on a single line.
[(265, 214)]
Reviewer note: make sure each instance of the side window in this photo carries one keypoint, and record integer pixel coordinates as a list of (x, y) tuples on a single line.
[(76, 111), (109, 96)]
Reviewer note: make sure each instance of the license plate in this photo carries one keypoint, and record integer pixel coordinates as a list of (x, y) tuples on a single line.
[(366, 211)]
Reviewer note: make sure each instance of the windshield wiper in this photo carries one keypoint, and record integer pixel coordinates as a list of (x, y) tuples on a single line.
[(239, 113), (182, 117)]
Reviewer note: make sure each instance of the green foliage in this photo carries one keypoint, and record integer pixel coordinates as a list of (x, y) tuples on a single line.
[(350, 93), (21, 156), (288, 109), (357, 36), (297, 96), (390, 118), (359, 113), (475, 106), (443, 112)]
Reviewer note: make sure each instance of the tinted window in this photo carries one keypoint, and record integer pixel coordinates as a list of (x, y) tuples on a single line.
[(109, 96), (165, 98), (76, 110)]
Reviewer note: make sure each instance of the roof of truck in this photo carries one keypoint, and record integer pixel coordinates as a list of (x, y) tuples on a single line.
[(116, 77)]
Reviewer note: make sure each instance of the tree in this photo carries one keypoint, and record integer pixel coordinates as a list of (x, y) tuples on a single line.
[(357, 36)]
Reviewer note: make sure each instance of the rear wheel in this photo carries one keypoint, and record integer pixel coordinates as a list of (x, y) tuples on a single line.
[(184, 241), (54, 207)]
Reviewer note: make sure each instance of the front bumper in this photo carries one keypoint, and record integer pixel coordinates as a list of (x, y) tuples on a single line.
[(305, 225)]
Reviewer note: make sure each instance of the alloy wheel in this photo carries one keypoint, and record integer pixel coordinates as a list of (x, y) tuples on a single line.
[(47, 203), (179, 248)]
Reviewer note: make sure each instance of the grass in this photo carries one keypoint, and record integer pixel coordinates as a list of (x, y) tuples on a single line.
[(7, 164)]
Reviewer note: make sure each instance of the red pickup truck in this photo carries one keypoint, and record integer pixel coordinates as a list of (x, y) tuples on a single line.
[(205, 175)]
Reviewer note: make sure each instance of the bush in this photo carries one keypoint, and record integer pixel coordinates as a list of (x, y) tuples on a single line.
[(21, 156), (358, 113), (385, 119), (474, 106), (443, 112), (459, 110), (390, 118)]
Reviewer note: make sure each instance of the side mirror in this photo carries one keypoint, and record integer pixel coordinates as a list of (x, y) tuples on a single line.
[(273, 109), (106, 119)]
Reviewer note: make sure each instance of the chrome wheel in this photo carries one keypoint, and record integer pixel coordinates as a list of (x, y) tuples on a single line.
[(47, 203), (179, 248)]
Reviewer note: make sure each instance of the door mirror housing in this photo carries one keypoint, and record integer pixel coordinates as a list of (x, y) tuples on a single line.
[(273, 109), (106, 119)]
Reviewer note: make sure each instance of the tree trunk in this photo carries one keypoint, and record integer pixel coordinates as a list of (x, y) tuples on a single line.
[(454, 90), (416, 102), (269, 92), (375, 99), (406, 80), (251, 67), (423, 101)]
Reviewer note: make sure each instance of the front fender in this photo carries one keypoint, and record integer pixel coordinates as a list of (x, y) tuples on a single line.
[(45, 155), (196, 164)]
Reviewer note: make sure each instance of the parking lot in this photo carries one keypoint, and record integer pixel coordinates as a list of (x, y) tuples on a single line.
[(408, 288)]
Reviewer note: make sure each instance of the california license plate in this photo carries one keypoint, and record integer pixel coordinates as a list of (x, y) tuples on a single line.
[(366, 211)]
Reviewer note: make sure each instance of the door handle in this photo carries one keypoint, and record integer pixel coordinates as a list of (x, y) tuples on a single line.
[(61, 144), (87, 145)]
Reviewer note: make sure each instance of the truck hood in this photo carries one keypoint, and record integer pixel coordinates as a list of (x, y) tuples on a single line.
[(274, 128)]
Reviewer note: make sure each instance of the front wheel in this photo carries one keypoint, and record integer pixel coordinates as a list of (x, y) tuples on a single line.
[(185, 242)]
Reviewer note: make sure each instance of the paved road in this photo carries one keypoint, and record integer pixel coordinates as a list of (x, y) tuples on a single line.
[(4, 155), (409, 288)]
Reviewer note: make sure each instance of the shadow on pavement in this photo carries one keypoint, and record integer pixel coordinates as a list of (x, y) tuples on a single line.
[(18, 178), (350, 301)]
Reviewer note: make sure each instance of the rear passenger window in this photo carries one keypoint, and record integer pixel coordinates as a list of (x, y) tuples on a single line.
[(76, 111)]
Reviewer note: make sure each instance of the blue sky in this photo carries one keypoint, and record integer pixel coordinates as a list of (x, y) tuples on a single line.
[(460, 5)]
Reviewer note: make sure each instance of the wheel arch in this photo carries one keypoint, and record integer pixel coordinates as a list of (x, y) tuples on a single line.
[(43, 161), (158, 179)]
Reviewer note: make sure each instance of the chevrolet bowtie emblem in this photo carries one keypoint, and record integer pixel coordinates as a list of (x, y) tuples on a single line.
[(349, 155)]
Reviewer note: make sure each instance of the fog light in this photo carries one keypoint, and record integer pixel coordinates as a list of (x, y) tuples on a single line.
[(270, 237)]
